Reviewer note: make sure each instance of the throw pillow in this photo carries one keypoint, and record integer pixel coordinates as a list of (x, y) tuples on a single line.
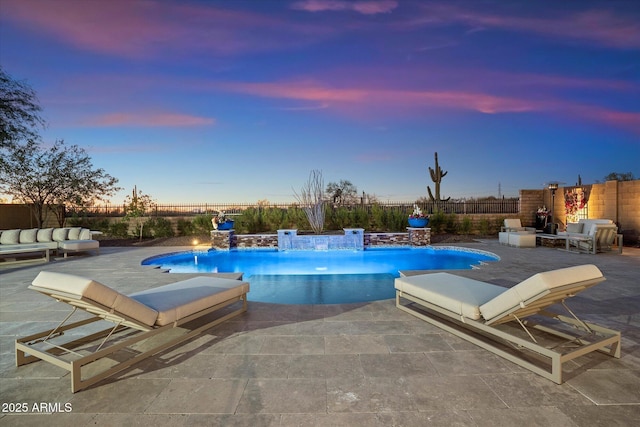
[(28, 236), (10, 237), (85, 234), (74, 233), (45, 234), (60, 234)]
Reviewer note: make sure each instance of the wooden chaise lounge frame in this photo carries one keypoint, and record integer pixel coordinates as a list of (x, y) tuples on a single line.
[(138, 317), (473, 310)]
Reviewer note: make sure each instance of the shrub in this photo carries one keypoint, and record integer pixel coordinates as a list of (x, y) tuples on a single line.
[(450, 225), (158, 227), (437, 221), (465, 225), (185, 228), (484, 227), (202, 224), (119, 229)]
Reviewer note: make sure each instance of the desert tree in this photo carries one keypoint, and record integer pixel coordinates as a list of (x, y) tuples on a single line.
[(58, 176), (138, 205), (342, 193), (311, 200), (19, 112)]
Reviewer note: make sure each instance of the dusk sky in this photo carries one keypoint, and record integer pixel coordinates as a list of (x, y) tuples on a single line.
[(237, 101)]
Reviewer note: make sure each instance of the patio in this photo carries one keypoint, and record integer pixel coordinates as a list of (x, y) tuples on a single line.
[(364, 364)]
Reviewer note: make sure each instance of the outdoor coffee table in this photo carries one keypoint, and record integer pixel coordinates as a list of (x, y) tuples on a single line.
[(24, 249)]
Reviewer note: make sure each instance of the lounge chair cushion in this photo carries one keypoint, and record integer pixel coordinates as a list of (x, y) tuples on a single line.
[(536, 285), (456, 294), (95, 292), (178, 300)]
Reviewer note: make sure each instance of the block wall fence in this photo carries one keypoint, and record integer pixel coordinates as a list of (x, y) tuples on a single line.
[(615, 200)]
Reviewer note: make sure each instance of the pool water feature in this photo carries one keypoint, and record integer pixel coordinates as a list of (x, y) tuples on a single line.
[(321, 277)]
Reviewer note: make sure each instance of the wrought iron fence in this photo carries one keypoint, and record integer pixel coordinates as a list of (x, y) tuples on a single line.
[(500, 206)]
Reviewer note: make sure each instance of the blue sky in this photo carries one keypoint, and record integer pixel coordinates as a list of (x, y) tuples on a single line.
[(237, 101)]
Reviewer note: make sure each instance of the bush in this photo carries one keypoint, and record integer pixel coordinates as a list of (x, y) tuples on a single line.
[(119, 229), (202, 224), (437, 221), (484, 227), (158, 227), (185, 228), (465, 225)]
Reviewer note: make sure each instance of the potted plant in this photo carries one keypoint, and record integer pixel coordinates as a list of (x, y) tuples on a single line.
[(221, 222), (417, 219)]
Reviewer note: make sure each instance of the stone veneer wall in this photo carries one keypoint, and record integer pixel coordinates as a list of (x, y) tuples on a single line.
[(255, 241), (227, 239)]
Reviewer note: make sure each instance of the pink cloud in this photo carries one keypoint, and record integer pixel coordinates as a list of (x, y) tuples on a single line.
[(371, 7), (148, 28), (149, 120), (599, 26), (368, 101)]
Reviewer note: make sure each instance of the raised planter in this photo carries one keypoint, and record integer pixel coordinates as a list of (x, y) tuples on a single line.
[(418, 222), (227, 225)]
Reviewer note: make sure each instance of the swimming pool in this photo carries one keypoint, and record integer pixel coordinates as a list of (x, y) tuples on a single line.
[(321, 277)]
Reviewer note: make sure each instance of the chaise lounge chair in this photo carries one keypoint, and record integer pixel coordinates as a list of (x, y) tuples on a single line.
[(134, 318), (494, 317)]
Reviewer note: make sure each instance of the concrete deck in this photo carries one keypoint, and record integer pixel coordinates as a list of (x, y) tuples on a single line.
[(364, 364)]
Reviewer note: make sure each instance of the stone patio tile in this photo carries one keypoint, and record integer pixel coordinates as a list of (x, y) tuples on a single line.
[(325, 366), (323, 327), (451, 393), (417, 343), (238, 344), (251, 366), (382, 394), (548, 416), (51, 420), (609, 386), (397, 365), (142, 420), (198, 396), (127, 396), (284, 396), (531, 390), (468, 362), (234, 420), (293, 345), (355, 344), (380, 327), (603, 415)]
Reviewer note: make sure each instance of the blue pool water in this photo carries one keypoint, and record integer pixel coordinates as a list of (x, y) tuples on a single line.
[(321, 277)]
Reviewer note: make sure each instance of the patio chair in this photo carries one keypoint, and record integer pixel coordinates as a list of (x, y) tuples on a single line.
[(514, 224), (500, 319), (134, 319), (602, 239)]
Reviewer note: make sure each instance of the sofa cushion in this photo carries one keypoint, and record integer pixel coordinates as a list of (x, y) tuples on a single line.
[(45, 235), (574, 227), (10, 237), (28, 236), (60, 234), (74, 233), (85, 234)]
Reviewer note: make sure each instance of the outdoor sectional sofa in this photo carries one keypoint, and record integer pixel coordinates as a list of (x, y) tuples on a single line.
[(46, 240), (592, 235)]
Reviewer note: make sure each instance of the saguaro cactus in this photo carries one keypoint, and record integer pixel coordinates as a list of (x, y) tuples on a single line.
[(436, 176)]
